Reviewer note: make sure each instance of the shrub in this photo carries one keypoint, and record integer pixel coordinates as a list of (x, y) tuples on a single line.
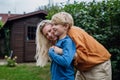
[(11, 62)]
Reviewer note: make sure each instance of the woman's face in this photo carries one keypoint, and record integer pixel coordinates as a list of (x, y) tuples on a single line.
[(49, 33)]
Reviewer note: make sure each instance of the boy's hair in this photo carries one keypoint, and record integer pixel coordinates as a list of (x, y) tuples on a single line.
[(42, 44), (62, 18)]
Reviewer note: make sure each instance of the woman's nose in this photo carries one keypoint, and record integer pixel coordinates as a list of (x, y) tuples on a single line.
[(49, 34)]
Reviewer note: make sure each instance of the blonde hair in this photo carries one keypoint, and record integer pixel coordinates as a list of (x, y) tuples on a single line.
[(62, 18), (42, 44)]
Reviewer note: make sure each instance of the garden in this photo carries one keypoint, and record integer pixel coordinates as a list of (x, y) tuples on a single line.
[(99, 19)]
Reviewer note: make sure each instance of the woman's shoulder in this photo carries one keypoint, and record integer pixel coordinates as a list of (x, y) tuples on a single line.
[(74, 30)]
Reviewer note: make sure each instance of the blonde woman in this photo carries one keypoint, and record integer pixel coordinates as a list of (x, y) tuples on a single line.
[(43, 43)]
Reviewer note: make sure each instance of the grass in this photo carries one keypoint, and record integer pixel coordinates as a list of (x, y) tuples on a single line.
[(24, 72)]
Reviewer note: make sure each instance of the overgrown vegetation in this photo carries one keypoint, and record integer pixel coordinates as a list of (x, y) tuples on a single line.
[(102, 21), (7, 50), (1, 24)]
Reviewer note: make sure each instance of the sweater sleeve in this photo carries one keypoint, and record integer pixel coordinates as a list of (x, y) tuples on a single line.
[(77, 36), (67, 56)]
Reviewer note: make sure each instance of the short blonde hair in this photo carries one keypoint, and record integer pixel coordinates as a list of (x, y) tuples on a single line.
[(42, 44), (62, 18)]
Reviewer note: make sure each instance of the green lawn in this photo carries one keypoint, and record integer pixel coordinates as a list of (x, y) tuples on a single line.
[(24, 72)]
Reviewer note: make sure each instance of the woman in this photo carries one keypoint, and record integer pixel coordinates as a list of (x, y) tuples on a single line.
[(43, 43)]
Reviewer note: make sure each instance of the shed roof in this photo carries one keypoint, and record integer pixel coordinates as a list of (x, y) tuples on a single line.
[(27, 15), (10, 17), (4, 17)]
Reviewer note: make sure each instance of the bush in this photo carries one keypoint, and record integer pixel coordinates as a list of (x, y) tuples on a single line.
[(11, 61), (102, 21), (1, 24)]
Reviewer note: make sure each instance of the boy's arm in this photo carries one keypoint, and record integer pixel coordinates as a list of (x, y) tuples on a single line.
[(66, 58), (60, 51), (57, 50)]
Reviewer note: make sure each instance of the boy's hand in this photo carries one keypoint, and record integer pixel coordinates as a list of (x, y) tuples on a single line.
[(57, 49)]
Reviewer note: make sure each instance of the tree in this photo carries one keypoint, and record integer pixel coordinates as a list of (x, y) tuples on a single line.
[(1, 24), (102, 21)]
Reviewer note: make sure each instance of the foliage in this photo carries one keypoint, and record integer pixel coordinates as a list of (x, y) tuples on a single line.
[(25, 71), (11, 61), (6, 33), (1, 24), (102, 21), (52, 10), (7, 41)]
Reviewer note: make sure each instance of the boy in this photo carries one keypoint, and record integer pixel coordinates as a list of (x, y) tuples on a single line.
[(62, 66)]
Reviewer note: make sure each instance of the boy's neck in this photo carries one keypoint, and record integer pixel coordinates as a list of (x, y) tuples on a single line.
[(62, 36)]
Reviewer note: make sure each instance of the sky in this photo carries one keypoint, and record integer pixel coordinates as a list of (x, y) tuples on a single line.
[(27, 6)]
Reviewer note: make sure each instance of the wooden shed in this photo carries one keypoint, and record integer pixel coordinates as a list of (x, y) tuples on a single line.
[(22, 34)]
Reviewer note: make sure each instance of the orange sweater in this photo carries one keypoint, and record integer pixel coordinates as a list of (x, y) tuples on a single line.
[(89, 51)]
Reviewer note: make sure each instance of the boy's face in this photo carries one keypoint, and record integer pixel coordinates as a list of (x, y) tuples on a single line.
[(49, 33), (58, 30)]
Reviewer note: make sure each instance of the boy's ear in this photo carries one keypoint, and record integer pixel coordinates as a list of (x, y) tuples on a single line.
[(66, 26)]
